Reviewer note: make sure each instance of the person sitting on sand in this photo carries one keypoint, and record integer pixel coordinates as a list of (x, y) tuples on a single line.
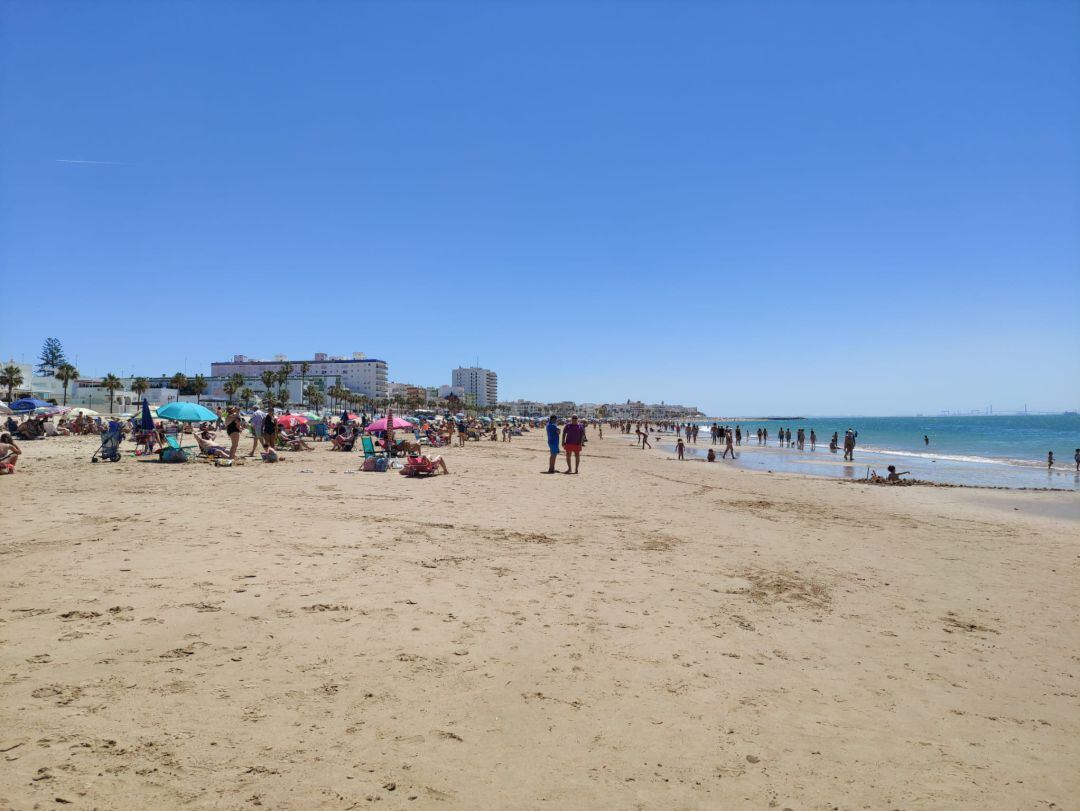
[(711, 455), (9, 453), (892, 478)]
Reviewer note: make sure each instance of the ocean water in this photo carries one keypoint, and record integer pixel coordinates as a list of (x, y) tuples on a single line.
[(996, 451)]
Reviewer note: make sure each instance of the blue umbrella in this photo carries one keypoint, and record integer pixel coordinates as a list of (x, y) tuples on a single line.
[(146, 422), (28, 404), (186, 412)]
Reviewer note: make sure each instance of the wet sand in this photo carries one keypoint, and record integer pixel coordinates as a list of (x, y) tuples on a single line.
[(648, 634)]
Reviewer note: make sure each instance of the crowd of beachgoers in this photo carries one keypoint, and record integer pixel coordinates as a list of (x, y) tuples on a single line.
[(224, 433)]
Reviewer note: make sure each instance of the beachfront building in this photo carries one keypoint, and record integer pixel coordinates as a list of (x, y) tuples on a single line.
[(480, 387), (524, 408), (563, 408), (357, 373), (408, 392)]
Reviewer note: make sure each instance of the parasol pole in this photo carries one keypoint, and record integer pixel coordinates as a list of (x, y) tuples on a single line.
[(389, 428)]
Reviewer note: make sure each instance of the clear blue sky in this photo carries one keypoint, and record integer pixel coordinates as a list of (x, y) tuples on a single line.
[(753, 207)]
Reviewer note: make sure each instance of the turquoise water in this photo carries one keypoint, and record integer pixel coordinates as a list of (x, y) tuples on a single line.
[(998, 451)]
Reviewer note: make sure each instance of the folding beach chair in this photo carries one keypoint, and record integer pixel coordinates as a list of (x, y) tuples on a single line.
[(370, 451)]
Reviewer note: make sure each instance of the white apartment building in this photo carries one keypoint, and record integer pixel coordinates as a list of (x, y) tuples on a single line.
[(359, 374), (480, 386), (525, 408)]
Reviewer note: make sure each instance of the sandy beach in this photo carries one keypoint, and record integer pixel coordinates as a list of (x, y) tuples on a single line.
[(648, 634)]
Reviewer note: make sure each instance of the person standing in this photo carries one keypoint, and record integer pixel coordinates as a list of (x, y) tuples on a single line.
[(256, 429), (849, 446), (233, 424), (573, 437), (1076, 458), (269, 430), (680, 449), (813, 439), (1049, 460), (553, 442)]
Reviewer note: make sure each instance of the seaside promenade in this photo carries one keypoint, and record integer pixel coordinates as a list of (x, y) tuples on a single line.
[(647, 634)]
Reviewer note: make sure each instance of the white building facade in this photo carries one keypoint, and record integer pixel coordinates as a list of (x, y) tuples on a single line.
[(480, 386), (358, 374)]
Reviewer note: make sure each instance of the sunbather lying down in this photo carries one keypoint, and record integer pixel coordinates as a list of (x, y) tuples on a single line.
[(211, 448)]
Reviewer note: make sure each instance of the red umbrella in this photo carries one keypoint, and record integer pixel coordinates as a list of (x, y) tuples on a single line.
[(292, 420)]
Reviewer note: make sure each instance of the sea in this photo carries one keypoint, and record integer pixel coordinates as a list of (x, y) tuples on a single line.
[(987, 451)]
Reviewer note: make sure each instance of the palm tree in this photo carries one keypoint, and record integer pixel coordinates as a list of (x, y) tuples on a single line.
[(305, 367), (198, 385), (65, 373), (178, 381), (229, 390), (268, 379), (284, 371), (315, 397), (140, 385), (112, 383), (283, 397), (237, 381), (11, 376), (245, 395), (310, 394)]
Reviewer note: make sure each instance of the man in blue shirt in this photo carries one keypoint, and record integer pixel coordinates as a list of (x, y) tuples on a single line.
[(553, 442)]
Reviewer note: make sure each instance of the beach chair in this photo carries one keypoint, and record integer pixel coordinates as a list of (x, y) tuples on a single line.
[(110, 446), (370, 451), (321, 433), (173, 450), (418, 466)]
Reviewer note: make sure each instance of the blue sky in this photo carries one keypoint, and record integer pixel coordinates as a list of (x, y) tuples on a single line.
[(751, 207)]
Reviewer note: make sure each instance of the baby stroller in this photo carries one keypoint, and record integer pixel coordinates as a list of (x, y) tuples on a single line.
[(110, 445)]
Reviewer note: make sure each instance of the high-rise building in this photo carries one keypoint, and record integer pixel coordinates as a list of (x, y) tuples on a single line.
[(359, 374), (480, 386)]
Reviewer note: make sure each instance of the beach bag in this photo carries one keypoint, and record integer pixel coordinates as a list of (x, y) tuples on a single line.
[(173, 455), (369, 465), (381, 465)]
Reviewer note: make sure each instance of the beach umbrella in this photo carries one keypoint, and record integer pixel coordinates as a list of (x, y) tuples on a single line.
[(186, 412), (26, 404), (52, 411), (292, 420), (86, 412), (146, 422), (381, 425)]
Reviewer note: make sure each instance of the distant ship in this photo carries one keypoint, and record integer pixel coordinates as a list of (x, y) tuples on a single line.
[(1070, 413)]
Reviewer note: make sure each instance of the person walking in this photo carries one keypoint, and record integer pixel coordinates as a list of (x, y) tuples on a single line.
[(553, 442), (573, 437), (729, 444)]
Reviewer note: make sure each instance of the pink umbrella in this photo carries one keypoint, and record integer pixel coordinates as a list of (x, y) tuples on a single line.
[(380, 425)]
